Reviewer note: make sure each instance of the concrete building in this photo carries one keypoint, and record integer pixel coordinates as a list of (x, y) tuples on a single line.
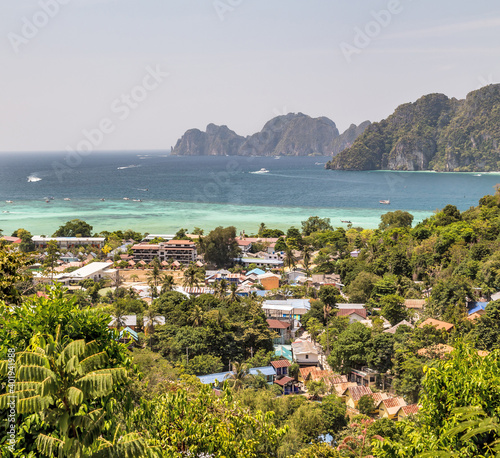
[(66, 243), (305, 353), (93, 271), (181, 251), (288, 308)]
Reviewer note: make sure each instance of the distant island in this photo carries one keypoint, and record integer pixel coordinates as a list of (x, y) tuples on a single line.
[(294, 134), (434, 133)]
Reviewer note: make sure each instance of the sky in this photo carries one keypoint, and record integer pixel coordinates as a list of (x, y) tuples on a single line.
[(136, 74)]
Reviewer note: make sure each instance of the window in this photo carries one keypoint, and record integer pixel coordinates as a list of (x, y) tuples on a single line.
[(307, 356)]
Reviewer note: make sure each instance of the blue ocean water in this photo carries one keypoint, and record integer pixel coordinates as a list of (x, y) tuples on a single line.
[(210, 191)]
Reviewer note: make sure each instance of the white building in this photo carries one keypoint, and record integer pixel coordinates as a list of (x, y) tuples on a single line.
[(66, 243), (93, 271), (305, 353), (288, 308)]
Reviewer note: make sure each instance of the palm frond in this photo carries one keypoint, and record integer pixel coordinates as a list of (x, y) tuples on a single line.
[(95, 384), (34, 373), (33, 404), (94, 362), (29, 358), (49, 446), (75, 348), (74, 396)]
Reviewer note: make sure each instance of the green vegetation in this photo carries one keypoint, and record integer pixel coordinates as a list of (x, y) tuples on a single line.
[(433, 133)]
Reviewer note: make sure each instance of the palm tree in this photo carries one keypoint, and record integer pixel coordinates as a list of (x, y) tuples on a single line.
[(168, 284), (69, 383), (233, 296), (192, 276), (153, 319), (306, 258), (240, 375), (221, 288), (134, 277), (155, 274), (196, 316), (119, 314), (289, 260)]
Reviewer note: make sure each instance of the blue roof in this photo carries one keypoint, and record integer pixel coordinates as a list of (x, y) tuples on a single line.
[(256, 272), (282, 350), (211, 378), (267, 370), (478, 306), (131, 332), (221, 376)]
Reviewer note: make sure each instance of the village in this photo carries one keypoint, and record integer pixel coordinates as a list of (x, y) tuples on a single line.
[(284, 290)]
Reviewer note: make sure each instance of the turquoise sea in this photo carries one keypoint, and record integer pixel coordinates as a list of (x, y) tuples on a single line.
[(207, 192)]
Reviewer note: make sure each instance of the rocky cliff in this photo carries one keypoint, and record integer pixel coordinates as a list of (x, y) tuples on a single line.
[(294, 134), (433, 133)]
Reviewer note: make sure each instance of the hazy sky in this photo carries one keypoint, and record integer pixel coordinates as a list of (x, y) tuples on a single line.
[(144, 71)]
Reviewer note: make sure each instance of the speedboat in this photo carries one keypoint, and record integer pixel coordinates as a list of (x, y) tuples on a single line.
[(126, 198), (345, 221), (9, 202), (262, 170), (385, 202), (66, 198)]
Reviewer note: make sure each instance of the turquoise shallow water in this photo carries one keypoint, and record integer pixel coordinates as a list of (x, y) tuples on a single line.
[(211, 191)]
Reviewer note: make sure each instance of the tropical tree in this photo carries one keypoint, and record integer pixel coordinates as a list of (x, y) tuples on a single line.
[(74, 228), (240, 375), (193, 276), (13, 271), (233, 297), (289, 259), (221, 289), (70, 387), (196, 316), (306, 258), (167, 284)]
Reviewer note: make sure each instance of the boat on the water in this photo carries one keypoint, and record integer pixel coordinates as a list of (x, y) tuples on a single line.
[(478, 175), (345, 221), (102, 200), (136, 200), (66, 198), (385, 202), (126, 198), (9, 202), (262, 170)]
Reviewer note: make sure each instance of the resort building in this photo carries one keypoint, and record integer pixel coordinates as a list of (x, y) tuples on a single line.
[(93, 271), (66, 243), (289, 308), (181, 251)]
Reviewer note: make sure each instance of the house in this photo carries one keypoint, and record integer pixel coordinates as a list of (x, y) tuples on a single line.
[(269, 281), (353, 314), (282, 328), (315, 374), (474, 316), (283, 351), (355, 253), (296, 275), (355, 393), (396, 326), (305, 353), (254, 273), (11, 240), (377, 401), (93, 271), (128, 321), (435, 351), (218, 378), (151, 237), (495, 296), (341, 388), (261, 262), (244, 245), (267, 371), (281, 367), (365, 376), (287, 308), (288, 384), (477, 307), (406, 411), (66, 243), (415, 304), (437, 324), (389, 407), (156, 321), (127, 335)]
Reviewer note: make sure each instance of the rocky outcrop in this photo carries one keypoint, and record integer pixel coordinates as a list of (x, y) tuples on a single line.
[(216, 141), (433, 133), (294, 134)]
